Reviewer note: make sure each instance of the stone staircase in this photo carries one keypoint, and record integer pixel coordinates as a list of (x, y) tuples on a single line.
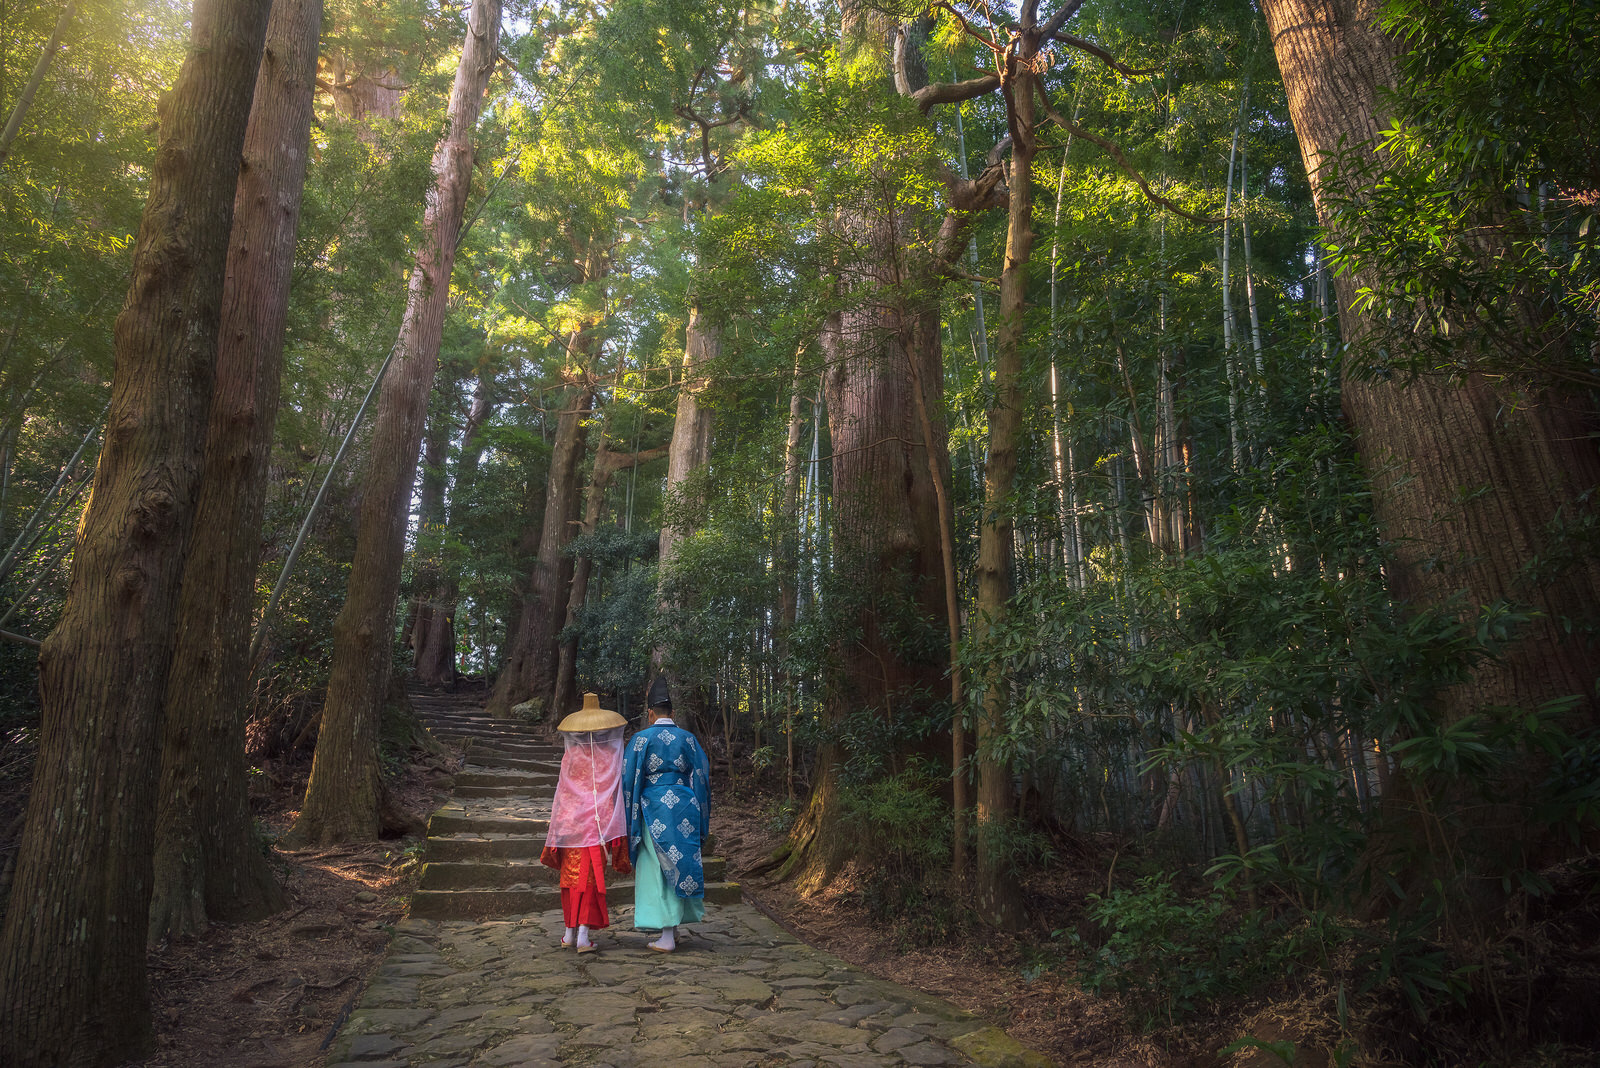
[(482, 858)]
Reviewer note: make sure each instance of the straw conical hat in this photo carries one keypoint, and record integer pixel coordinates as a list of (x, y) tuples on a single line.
[(591, 717)]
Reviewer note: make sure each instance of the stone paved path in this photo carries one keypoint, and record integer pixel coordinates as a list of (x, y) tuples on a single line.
[(496, 990)]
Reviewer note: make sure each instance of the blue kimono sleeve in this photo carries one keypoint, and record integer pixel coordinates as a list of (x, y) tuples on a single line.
[(702, 784), (632, 788)]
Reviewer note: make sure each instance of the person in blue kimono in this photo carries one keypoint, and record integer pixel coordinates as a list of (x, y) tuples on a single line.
[(666, 782)]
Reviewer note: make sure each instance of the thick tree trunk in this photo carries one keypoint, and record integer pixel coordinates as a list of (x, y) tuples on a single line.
[(207, 864), (73, 987), (530, 670), (887, 562), (998, 896), (345, 797), (1467, 477), (690, 450)]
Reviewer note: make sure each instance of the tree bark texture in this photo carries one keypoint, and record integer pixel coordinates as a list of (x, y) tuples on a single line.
[(530, 669), (73, 987), (998, 896), (690, 449), (345, 796), (887, 562), (207, 864), (1467, 476)]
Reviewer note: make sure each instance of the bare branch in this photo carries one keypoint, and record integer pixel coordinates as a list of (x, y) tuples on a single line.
[(990, 42), (967, 197), (1103, 56), (1116, 153), (1001, 147), (953, 92), (1059, 19)]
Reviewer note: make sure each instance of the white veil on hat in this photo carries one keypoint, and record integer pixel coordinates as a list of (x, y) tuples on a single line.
[(588, 808)]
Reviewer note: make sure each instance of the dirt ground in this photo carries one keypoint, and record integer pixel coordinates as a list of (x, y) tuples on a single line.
[(271, 994)]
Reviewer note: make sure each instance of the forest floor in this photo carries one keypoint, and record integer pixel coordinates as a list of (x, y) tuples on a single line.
[(271, 993), (1006, 978)]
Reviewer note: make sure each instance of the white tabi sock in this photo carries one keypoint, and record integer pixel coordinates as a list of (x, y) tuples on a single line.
[(566, 936), (583, 935), (666, 941)]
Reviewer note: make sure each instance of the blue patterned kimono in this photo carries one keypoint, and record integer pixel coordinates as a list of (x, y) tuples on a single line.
[(666, 783)]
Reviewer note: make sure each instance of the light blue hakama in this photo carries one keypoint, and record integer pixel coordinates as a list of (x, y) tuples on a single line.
[(655, 905)]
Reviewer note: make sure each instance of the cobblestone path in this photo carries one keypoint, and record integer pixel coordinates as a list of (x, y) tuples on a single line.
[(476, 976)]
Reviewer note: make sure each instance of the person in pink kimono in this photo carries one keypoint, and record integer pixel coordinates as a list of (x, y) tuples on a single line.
[(587, 819)]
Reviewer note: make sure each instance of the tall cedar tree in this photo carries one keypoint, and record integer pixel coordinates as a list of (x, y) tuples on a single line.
[(1468, 477), (207, 863), (881, 349), (73, 987), (346, 798)]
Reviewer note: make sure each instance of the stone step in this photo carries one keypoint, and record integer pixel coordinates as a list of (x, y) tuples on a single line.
[(486, 777), (476, 717), (483, 904), (454, 875), (452, 847), (488, 758), (508, 790), (456, 822), (479, 740), (488, 732), (482, 875)]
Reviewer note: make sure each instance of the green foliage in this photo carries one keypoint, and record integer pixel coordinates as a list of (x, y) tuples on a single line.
[(1173, 954), (901, 826), (1478, 236)]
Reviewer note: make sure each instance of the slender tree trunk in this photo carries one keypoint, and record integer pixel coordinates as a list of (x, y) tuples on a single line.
[(437, 648), (688, 453), (432, 637), (207, 863), (606, 465), (1230, 329), (346, 797), (25, 99), (531, 667), (997, 894), (73, 986), (788, 571)]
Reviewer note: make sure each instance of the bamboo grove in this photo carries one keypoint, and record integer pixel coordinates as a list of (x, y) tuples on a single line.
[(1166, 425)]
